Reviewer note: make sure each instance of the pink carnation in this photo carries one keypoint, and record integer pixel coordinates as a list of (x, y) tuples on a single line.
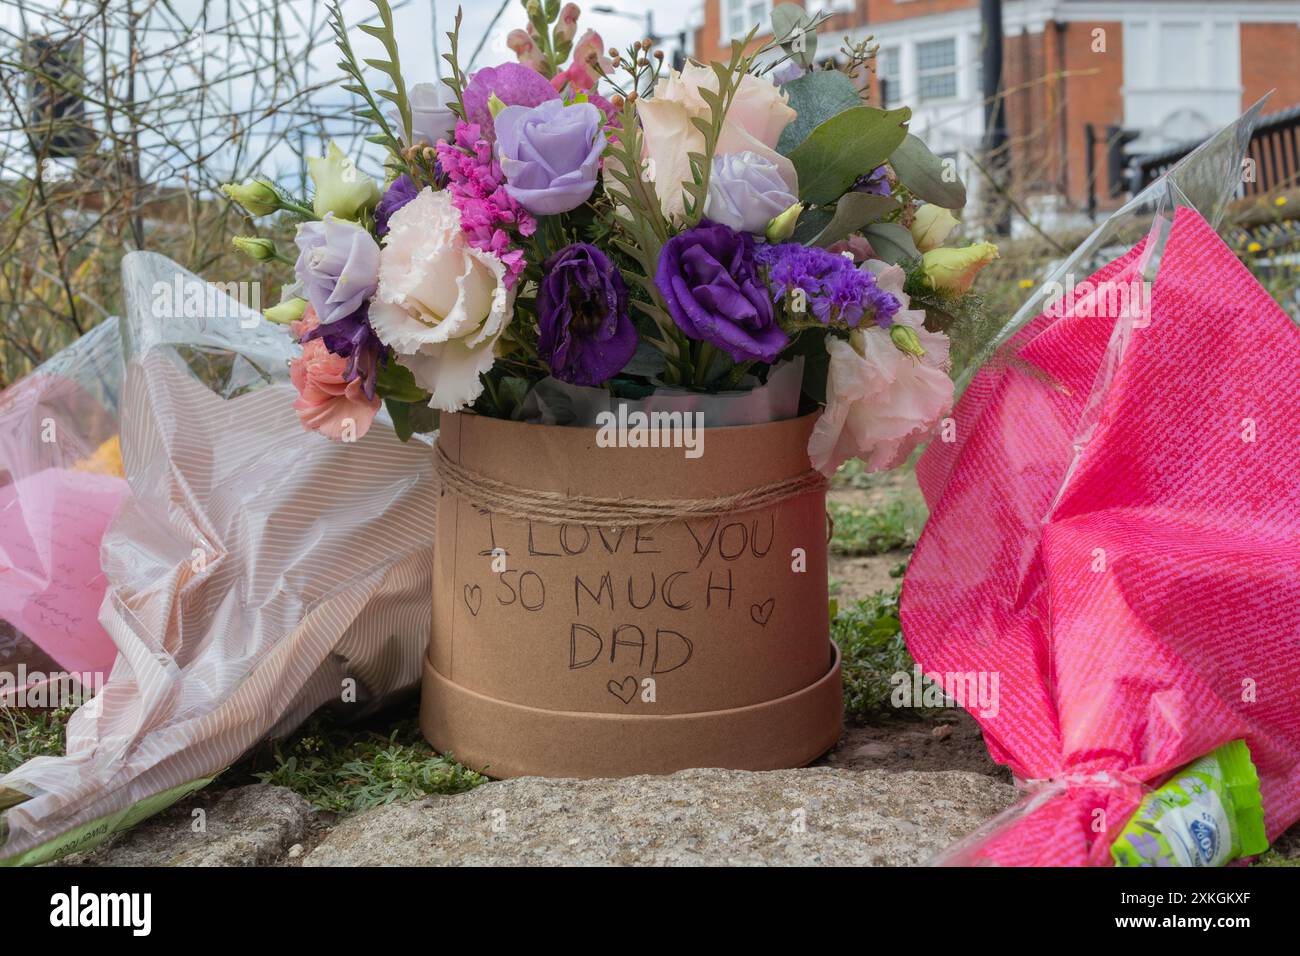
[(477, 187), (327, 401)]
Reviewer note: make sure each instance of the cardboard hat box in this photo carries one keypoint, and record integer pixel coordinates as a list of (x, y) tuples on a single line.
[(575, 650)]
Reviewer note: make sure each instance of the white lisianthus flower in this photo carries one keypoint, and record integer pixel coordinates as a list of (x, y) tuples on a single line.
[(341, 188), (441, 304), (880, 401), (755, 120)]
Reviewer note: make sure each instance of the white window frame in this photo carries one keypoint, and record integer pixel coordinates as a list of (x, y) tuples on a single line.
[(728, 8), (893, 84), (951, 69)]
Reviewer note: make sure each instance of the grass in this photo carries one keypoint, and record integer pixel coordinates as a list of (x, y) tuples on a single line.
[(346, 769), (25, 734), (871, 640), (863, 531)]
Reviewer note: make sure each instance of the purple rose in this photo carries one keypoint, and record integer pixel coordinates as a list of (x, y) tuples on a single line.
[(746, 192), (513, 83), (399, 192), (338, 266), (585, 333), (710, 283), (550, 154)]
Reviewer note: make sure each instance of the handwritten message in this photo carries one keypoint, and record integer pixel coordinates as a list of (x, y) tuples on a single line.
[(51, 584)]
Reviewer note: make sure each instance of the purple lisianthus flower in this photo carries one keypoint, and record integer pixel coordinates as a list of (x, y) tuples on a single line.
[(513, 83), (786, 73), (399, 192), (710, 282), (875, 183), (550, 154), (746, 192), (338, 266), (585, 332), (352, 338), (831, 287)]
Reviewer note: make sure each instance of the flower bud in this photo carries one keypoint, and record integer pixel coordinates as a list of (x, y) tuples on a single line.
[(290, 310), (931, 226), (906, 340), (953, 270), (255, 247), (781, 227), (259, 198), (340, 187), (567, 28)]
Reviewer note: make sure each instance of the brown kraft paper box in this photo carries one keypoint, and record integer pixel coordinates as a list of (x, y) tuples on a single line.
[(582, 651)]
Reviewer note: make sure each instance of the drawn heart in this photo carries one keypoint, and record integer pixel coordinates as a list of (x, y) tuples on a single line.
[(624, 690), (473, 598), (762, 613)]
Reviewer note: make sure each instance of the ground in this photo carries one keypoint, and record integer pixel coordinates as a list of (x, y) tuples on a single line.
[(897, 788)]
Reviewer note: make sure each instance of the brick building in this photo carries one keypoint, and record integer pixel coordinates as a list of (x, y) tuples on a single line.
[(1171, 71)]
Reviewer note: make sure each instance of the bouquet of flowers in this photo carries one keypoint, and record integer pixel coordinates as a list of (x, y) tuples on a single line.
[(605, 220)]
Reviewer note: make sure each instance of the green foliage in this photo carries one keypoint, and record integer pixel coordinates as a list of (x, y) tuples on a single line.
[(892, 243), (867, 531), (346, 770), (844, 147), (870, 639), (815, 97), (25, 734), (925, 174), (853, 213), (791, 27), (695, 192), (373, 111)]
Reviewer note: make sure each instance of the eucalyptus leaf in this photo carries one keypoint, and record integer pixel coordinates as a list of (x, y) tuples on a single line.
[(845, 147), (926, 175), (787, 19), (853, 212), (815, 97), (892, 242)]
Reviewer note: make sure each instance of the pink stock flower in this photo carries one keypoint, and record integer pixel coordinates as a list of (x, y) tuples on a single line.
[(327, 402), (567, 27), (487, 211), (525, 49), (583, 73)]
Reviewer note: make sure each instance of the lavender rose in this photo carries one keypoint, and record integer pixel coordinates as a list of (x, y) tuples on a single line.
[(338, 266), (746, 192), (711, 285), (586, 335), (550, 154)]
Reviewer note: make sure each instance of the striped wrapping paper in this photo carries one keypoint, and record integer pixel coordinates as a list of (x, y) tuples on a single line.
[(257, 572), (1115, 532)]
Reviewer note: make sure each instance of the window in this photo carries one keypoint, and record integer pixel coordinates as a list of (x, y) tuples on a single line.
[(890, 74), (936, 69), (740, 15)]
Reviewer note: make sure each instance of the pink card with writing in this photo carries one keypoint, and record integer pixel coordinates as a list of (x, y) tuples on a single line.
[(51, 583)]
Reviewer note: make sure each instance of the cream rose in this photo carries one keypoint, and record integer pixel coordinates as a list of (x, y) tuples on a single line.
[(880, 402), (441, 304), (754, 122)]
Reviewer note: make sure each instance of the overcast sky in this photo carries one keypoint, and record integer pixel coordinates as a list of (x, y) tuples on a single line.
[(415, 29)]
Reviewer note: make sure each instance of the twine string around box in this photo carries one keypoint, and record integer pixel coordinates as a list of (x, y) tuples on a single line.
[(554, 507)]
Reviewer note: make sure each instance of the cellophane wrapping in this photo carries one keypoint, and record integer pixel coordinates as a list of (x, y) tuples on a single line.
[(252, 571), (1115, 528)]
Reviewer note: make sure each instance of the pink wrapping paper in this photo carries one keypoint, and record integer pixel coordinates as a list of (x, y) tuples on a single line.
[(1116, 532)]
